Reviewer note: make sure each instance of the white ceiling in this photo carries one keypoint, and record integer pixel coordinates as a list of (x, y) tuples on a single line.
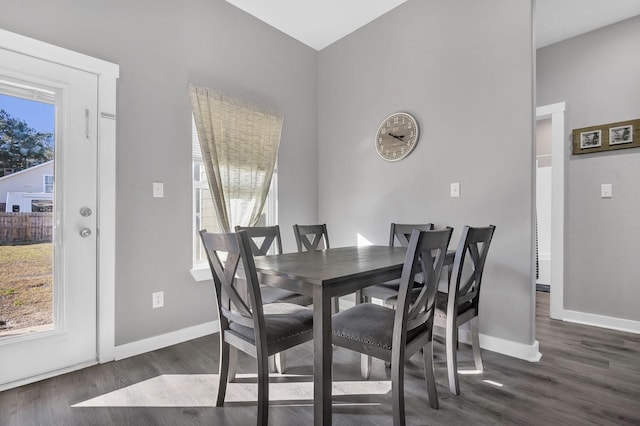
[(558, 20), (318, 23)]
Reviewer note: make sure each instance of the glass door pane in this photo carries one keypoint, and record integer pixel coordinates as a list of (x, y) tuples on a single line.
[(27, 118)]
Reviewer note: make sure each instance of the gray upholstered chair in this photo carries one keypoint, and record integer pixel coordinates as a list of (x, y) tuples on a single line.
[(311, 237), (395, 335), (460, 304), (262, 239), (388, 292), (245, 323), (400, 233)]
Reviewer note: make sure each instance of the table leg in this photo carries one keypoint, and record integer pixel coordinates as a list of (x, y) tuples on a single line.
[(322, 357)]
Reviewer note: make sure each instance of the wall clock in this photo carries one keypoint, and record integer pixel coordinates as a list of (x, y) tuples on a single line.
[(396, 137)]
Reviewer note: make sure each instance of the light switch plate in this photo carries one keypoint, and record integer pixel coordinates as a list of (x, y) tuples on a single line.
[(455, 189), (606, 190), (158, 189)]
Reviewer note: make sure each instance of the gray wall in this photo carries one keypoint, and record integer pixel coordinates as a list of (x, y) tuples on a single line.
[(598, 76), (465, 70), (160, 47)]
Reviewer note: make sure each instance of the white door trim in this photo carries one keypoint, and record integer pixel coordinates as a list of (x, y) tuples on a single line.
[(558, 159), (107, 75)]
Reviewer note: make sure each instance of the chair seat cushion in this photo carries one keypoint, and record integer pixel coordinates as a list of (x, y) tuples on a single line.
[(282, 321), (389, 289), (415, 292), (280, 295), (382, 291), (441, 305), (370, 324)]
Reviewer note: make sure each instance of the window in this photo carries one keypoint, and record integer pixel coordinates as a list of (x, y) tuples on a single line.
[(47, 184), (42, 206), (203, 209)]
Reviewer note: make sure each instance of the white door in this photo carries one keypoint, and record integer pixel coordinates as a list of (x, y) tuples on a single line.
[(70, 342)]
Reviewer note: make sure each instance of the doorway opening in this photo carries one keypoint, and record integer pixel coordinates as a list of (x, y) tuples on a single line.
[(543, 205), (556, 218)]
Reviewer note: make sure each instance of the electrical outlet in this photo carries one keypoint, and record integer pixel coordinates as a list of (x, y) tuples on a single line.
[(157, 299)]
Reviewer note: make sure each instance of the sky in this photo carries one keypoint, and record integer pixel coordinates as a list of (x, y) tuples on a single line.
[(38, 115)]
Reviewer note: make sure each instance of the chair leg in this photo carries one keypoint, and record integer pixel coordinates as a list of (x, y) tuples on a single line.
[(397, 391), (223, 372), (280, 361), (365, 366), (263, 389), (452, 355), (429, 374), (475, 343), (233, 363)]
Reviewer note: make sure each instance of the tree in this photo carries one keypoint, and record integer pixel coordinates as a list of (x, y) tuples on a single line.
[(21, 146)]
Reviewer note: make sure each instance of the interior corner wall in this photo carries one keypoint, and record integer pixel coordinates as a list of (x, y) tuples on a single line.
[(465, 71), (161, 47), (596, 74)]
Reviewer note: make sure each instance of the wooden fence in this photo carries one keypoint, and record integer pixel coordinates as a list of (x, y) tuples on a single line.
[(25, 227)]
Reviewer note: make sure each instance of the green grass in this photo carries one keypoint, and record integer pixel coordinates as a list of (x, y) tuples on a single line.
[(26, 285)]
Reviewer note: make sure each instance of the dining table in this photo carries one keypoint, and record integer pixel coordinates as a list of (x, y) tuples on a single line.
[(325, 274)]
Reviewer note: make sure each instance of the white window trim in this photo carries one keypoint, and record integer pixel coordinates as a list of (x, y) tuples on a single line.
[(44, 183), (200, 271)]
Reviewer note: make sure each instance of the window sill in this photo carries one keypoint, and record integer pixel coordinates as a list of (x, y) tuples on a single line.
[(201, 273)]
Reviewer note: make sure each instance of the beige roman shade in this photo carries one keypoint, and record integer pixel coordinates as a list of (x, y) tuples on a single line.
[(239, 145)]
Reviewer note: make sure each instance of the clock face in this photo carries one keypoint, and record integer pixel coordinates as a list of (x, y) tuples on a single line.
[(397, 136)]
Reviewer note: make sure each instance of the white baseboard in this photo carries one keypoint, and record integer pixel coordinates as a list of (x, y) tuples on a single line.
[(510, 348), (162, 341), (601, 321)]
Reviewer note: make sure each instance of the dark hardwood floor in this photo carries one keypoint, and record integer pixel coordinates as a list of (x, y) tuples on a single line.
[(587, 375)]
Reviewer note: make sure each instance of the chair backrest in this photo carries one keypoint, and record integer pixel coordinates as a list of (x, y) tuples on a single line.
[(425, 255), (468, 266), (235, 304), (401, 232), (310, 237), (261, 238)]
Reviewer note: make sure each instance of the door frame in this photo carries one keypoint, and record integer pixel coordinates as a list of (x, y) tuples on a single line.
[(108, 74), (558, 160)]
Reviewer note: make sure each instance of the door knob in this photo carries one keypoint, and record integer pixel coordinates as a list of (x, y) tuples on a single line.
[(85, 232)]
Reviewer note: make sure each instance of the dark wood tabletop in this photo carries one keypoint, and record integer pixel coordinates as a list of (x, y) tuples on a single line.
[(335, 269)]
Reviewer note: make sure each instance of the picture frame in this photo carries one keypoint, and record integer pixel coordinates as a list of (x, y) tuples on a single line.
[(590, 139), (607, 137), (621, 134)]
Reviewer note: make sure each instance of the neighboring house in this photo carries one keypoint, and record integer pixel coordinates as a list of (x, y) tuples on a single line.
[(26, 187)]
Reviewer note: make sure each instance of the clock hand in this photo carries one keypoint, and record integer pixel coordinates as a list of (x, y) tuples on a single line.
[(400, 138)]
